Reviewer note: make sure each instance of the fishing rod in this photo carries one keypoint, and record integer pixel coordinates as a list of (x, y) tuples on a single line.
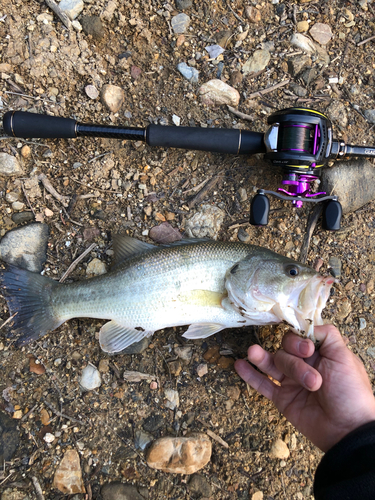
[(299, 140)]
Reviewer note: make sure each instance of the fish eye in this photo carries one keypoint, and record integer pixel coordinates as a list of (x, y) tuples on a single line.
[(292, 270)]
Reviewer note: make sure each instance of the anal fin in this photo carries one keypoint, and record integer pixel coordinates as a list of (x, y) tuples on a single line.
[(202, 330), (114, 337)]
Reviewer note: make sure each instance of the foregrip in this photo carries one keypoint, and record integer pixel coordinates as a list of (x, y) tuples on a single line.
[(215, 140), (23, 124)]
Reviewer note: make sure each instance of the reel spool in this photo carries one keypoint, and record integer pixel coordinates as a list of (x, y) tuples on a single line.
[(300, 142)]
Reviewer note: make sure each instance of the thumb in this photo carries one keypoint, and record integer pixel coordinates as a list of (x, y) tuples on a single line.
[(330, 340)]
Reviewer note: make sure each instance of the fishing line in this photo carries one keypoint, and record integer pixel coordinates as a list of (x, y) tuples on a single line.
[(296, 137)]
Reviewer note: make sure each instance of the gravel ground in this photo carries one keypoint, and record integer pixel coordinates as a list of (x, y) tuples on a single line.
[(45, 68)]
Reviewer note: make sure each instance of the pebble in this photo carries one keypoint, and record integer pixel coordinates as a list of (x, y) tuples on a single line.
[(180, 455), (96, 267), (188, 72), (205, 223), (142, 439), (199, 486), (153, 423), (20, 217), (253, 14), (180, 23), (370, 115), (26, 246), (242, 193), (18, 206), (222, 38), (202, 370), (104, 366), (113, 97), (137, 347), (352, 181), (258, 495), (92, 91), (9, 165), (183, 4), (9, 437), (49, 438), (243, 235), (257, 62), (298, 63), (303, 43), (344, 309), (165, 233), (176, 120), (321, 33), (92, 25), (90, 378), (302, 26), (214, 51), (371, 352), (215, 93), (120, 491), (68, 475), (135, 72), (35, 367), (25, 151), (362, 323), (11, 197), (336, 112), (173, 399), (279, 449), (298, 90), (184, 353), (72, 8)]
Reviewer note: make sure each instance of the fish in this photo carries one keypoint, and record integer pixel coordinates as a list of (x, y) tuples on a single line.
[(209, 285)]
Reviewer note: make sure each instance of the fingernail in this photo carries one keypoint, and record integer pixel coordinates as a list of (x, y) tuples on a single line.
[(309, 380), (303, 347)]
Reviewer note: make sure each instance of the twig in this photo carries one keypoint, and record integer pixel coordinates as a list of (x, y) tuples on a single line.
[(204, 191), (311, 223), (236, 15), (365, 41), (74, 264), (23, 95), (38, 488), (27, 198), (59, 13), (47, 184), (8, 320), (30, 411), (213, 435), (62, 415), (268, 89), (240, 115), (95, 188), (99, 156)]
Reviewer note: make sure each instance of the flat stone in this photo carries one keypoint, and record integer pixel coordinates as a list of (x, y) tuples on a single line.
[(92, 91), (279, 449), (135, 72), (337, 113), (222, 38), (321, 33), (298, 63), (137, 347), (202, 370), (173, 399), (142, 439), (92, 25), (258, 495), (198, 485), (370, 115), (120, 491), (26, 246), (257, 62), (21, 217), (112, 97), (90, 378), (215, 93), (352, 181), (253, 14), (72, 8), (68, 475), (164, 233), (181, 455), (9, 437), (184, 353), (180, 23), (206, 223), (9, 165), (183, 4), (214, 51), (188, 72), (153, 423)]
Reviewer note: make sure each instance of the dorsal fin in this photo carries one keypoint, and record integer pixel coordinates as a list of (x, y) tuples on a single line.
[(126, 247)]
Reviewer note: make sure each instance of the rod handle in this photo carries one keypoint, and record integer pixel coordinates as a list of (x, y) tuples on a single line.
[(27, 125)]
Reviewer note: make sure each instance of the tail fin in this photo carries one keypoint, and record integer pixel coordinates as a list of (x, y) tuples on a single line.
[(28, 296)]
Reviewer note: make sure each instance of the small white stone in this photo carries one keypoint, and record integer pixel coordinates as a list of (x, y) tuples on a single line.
[(90, 378), (96, 267), (18, 205), (176, 120), (49, 438), (72, 8), (173, 399), (92, 91)]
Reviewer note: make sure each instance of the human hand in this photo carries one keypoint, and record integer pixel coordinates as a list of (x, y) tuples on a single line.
[(325, 394)]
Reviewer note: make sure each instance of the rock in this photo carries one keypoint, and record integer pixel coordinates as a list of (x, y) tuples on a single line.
[(96, 267), (183, 4), (68, 475), (135, 72), (9, 437), (153, 423), (298, 90), (181, 455), (176, 120), (9, 165), (279, 449), (120, 491), (188, 72), (352, 181), (20, 217), (175, 367), (110, 9), (35, 367), (202, 370), (173, 399), (336, 112), (72, 8), (303, 43), (215, 93), (296, 64), (321, 33), (253, 14), (370, 115), (92, 25), (344, 309), (214, 51), (91, 91), (137, 347), (104, 366), (258, 495), (236, 78), (184, 353), (302, 26), (371, 352), (90, 378), (26, 246), (25, 151), (165, 233), (18, 206), (142, 439), (222, 38), (362, 323), (234, 392), (180, 23), (113, 97), (243, 235), (205, 223), (198, 485), (11, 197), (257, 62)]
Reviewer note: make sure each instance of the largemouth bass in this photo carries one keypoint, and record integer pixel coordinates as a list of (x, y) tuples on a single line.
[(208, 285)]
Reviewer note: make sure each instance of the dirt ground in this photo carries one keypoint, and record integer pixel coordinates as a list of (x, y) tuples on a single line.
[(135, 188)]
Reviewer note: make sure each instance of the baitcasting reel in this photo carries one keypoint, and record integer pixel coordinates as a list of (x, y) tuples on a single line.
[(299, 141)]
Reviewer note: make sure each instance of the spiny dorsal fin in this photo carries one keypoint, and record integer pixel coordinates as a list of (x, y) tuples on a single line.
[(126, 247)]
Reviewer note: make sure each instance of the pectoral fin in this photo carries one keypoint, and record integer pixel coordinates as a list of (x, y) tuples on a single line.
[(115, 338), (202, 330)]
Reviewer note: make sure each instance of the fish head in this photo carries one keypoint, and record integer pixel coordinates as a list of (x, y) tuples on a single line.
[(270, 288)]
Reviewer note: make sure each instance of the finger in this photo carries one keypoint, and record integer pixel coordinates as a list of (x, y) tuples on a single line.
[(256, 380), (299, 371), (264, 361), (331, 341), (293, 344)]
